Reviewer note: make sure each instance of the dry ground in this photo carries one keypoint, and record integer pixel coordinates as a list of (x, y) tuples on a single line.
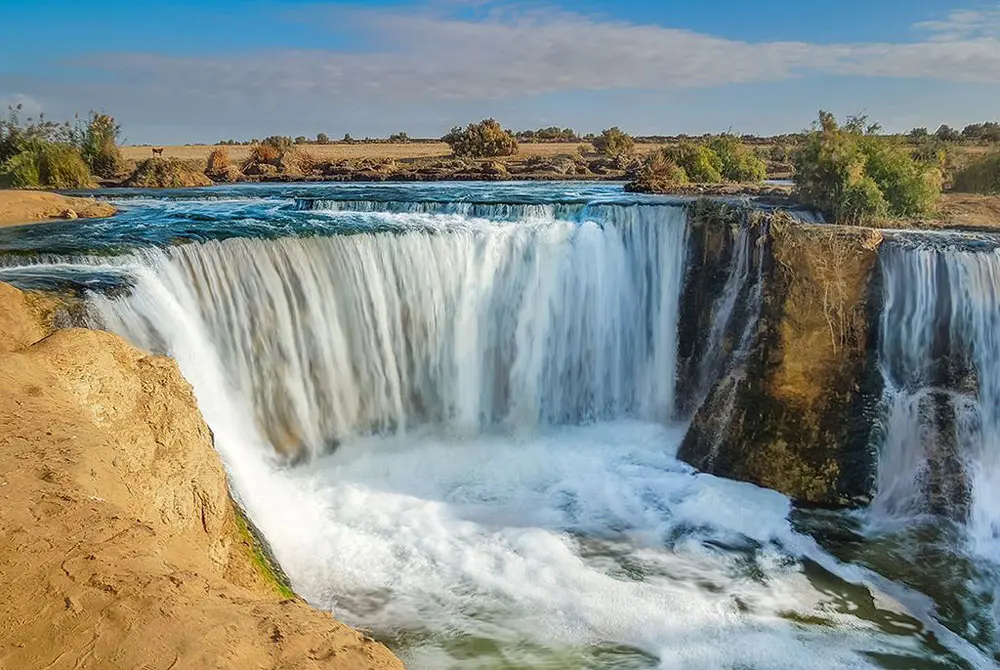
[(17, 207), (119, 547), (331, 152)]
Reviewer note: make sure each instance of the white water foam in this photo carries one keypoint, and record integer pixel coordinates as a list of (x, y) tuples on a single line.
[(537, 549)]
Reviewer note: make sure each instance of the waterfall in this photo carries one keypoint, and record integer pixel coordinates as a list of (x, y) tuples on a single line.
[(940, 354), (463, 323)]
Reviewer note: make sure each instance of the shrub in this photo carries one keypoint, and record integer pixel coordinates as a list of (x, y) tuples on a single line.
[(981, 176), (61, 166), (50, 164), (947, 134), (21, 171), (700, 164), (485, 139), (322, 138), (301, 139), (658, 174), (614, 142), (16, 134), (98, 142), (853, 175), (399, 138), (281, 143), (265, 153), (739, 163), (166, 173), (218, 166)]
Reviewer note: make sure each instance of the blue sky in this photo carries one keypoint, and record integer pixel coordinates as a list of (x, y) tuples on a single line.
[(202, 71)]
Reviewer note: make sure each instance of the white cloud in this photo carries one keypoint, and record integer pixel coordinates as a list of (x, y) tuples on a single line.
[(964, 25), (517, 52), (454, 52)]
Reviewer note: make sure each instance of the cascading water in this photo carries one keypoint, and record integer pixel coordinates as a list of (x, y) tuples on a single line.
[(940, 354), (498, 376)]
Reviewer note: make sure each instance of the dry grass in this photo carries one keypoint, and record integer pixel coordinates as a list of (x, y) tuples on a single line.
[(333, 152)]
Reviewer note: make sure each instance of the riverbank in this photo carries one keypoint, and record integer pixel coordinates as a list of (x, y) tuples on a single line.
[(119, 544), (19, 207)]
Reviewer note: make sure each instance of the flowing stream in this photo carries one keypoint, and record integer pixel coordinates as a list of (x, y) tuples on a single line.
[(452, 412)]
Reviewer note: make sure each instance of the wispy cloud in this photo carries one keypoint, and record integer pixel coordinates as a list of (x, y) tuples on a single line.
[(455, 51), (519, 51), (964, 25)]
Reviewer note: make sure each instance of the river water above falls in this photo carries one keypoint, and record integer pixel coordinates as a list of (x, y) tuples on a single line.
[(453, 412)]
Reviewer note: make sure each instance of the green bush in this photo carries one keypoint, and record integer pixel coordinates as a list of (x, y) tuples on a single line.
[(658, 174), (739, 163), (485, 139), (61, 166), (852, 175), (21, 171), (98, 142), (614, 142), (981, 176), (700, 164), (48, 164)]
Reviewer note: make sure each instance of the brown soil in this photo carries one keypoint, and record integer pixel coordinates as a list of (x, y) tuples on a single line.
[(18, 207), (968, 210), (119, 545)]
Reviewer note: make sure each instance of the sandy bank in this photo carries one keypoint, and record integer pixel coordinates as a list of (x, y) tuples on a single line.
[(119, 545), (17, 207)]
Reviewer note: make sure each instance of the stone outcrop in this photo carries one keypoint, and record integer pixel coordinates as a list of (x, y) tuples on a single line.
[(794, 409), (119, 544)]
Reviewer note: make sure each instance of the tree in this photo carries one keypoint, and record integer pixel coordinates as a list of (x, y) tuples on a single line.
[(739, 163), (853, 175), (486, 139), (399, 138), (947, 134), (301, 139), (614, 142), (918, 134), (700, 163), (322, 138)]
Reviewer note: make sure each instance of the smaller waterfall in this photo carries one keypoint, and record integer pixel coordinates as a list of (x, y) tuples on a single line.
[(720, 369), (940, 353)]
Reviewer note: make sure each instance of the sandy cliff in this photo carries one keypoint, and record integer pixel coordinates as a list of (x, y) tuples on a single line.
[(119, 545)]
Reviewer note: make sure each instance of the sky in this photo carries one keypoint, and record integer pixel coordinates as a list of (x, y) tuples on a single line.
[(186, 72)]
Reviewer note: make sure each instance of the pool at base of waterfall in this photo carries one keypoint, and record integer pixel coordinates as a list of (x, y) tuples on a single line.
[(450, 411)]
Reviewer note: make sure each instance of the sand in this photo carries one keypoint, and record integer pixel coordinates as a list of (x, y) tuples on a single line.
[(19, 207)]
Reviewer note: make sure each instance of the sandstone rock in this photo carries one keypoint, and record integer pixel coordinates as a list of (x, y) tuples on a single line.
[(119, 544)]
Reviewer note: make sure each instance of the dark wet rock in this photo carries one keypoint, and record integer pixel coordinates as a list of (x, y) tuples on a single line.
[(794, 411)]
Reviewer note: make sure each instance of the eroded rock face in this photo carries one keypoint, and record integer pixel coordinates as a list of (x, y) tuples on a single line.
[(793, 412), (119, 545)]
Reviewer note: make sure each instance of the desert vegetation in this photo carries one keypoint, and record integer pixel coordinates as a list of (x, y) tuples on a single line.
[(719, 159), (613, 143), (486, 139), (853, 175), (36, 152), (980, 176)]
